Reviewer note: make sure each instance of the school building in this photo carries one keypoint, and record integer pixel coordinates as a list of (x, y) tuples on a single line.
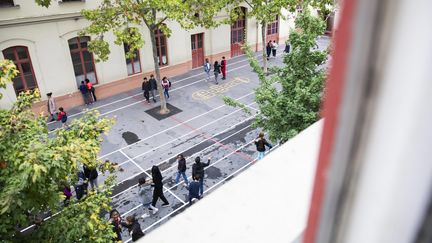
[(46, 48)]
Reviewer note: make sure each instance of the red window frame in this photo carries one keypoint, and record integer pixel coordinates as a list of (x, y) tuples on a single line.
[(18, 63), (80, 50), (273, 27), (137, 55), (159, 36)]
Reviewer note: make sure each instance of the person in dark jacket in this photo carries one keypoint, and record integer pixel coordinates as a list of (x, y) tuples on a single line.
[(116, 222), (81, 185), (287, 47), (153, 86), (260, 144), (216, 71), (198, 172), (146, 87), (158, 187), (133, 227), (181, 169), (85, 93), (269, 49), (91, 174), (193, 189)]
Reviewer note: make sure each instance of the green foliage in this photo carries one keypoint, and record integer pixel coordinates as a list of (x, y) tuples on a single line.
[(289, 100), (7, 72), (82, 220), (234, 103), (34, 166)]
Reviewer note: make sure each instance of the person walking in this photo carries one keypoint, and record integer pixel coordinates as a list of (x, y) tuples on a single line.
[(85, 93), (153, 87), (81, 185), (158, 187), (67, 193), (166, 84), (223, 68), (287, 47), (198, 172), (260, 143), (269, 49), (193, 189), (51, 106), (62, 116), (133, 227), (207, 68), (146, 87), (145, 199), (116, 223), (274, 48), (216, 70), (91, 174), (91, 90), (181, 169)]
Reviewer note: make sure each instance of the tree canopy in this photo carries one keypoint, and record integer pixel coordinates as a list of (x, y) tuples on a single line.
[(35, 166), (289, 100)]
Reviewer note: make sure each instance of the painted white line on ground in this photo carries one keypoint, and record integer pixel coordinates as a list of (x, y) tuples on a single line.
[(194, 131), (163, 131), (140, 93), (191, 156), (145, 172), (205, 192)]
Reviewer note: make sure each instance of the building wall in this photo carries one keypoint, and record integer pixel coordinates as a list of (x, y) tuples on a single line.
[(46, 31)]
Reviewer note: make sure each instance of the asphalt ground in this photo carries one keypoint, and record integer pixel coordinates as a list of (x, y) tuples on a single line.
[(204, 127)]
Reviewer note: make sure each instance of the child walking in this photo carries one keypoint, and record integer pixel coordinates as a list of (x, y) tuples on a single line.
[(62, 117), (133, 227), (260, 144), (145, 199)]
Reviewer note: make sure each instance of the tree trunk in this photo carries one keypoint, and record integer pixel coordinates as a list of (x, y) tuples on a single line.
[(163, 107), (263, 40)]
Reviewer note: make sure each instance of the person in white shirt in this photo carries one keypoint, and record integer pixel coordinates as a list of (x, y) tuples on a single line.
[(207, 68), (51, 106), (274, 48)]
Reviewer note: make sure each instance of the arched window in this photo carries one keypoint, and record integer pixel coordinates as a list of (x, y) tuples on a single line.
[(82, 60), (26, 79), (161, 47), (273, 30), (238, 33)]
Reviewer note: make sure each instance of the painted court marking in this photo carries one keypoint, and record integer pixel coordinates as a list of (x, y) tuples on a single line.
[(216, 90)]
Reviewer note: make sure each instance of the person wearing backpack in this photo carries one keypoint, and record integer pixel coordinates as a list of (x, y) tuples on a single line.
[(166, 84), (91, 175), (207, 68), (62, 116), (260, 144), (85, 93), (91, 90), (198, 172)]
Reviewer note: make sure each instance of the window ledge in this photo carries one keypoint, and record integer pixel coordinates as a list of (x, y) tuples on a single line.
[(16, 6), (61, 2)]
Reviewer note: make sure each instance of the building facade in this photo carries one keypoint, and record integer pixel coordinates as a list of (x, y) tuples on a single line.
[(45, 46)]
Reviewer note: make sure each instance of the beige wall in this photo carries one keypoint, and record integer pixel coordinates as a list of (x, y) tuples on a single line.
[(47, 42)]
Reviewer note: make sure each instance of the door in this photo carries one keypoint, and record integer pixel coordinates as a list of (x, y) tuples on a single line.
[(197, 44), (273, 31), (238, 33)]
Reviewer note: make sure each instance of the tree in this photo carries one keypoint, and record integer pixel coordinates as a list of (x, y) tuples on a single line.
[(34, 166), (289, 101), (122, 17), (266, 11)]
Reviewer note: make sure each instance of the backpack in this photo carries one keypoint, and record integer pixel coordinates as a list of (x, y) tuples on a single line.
[(169, 83), (261, 144), (64, 117)]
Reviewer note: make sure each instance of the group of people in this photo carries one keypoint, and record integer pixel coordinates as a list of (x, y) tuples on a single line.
[(150, 86), (85, 176), (271, 49), (59, 115), (88, 92), (217, 69)]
